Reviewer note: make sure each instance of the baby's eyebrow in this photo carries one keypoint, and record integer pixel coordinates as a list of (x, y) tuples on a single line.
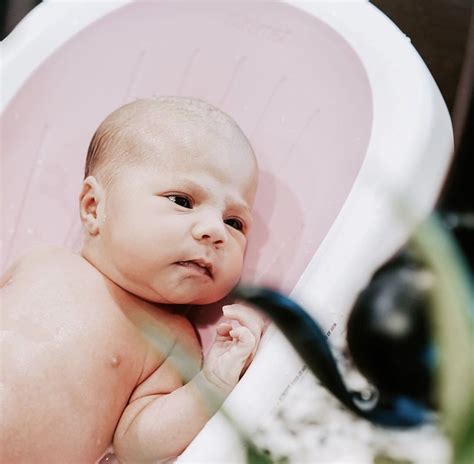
[(233, 203), (190, 185)]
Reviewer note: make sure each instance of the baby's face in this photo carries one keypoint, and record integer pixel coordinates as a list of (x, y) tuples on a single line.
[(176, 231)]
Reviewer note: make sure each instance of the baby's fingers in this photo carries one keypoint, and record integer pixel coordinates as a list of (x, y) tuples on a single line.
[(223, 331), (245, 338), (223, 328), (247, 317)]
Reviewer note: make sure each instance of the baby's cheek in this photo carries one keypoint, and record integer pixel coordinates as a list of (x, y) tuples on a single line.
[(235, 270), (130, 250)]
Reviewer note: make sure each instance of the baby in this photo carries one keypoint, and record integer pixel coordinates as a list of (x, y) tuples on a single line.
[(93, 349)]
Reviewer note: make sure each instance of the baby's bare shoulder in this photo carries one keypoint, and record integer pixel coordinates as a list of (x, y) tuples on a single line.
[(46, 263), (47, 254)]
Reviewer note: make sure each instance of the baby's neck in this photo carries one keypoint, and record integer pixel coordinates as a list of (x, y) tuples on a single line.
[(125, 298)]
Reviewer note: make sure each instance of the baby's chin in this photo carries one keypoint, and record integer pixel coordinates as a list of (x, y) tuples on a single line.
[(187, 292), (191, 291), (194, 300), (180, 297)]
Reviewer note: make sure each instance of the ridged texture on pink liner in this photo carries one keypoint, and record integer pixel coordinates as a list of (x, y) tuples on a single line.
[(296, 88)]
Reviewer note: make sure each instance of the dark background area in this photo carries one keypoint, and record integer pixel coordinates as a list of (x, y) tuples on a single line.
[(443, 33)]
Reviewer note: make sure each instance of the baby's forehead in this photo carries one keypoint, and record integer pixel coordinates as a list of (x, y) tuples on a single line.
[(161, 137), (179, 127), (187, 154), (178, 120), (168, 135)]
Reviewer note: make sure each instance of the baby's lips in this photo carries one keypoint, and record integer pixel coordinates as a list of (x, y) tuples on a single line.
[(202, 263)]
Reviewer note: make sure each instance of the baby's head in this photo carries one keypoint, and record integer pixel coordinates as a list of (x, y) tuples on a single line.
[(169, 185)]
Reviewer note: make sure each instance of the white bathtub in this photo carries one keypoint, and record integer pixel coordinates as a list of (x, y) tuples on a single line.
[(351, 133)]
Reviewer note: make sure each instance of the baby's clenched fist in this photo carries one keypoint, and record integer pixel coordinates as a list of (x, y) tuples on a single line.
[(234, 347)]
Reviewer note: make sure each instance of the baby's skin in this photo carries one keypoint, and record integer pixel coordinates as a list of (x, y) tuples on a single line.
[(92, 344)]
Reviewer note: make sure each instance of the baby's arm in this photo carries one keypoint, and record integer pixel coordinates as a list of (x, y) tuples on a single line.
[(164, 415)]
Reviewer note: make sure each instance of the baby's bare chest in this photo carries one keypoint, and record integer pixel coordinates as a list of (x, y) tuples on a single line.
[(67, 328), (69, 349), (67, 315)]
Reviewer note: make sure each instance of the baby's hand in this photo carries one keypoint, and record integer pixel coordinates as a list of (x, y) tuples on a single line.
[(233, 348)]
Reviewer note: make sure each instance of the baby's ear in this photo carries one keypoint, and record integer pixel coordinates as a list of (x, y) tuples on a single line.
[(91, 205)]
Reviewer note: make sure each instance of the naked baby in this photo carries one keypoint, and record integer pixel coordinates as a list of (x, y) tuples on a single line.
[(92, 347)]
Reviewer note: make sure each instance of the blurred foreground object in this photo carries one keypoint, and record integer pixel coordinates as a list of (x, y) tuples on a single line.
[(388, 331), (310, 342), (417, 312)]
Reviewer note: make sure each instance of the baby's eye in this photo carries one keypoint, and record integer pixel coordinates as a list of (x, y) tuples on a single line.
[(235, 223), (181, 201)]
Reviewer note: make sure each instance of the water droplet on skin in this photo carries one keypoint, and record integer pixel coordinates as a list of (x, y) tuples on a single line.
[(115, 361), (108, 458)]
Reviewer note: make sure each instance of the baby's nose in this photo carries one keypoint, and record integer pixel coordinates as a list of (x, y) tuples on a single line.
[(210, 227)]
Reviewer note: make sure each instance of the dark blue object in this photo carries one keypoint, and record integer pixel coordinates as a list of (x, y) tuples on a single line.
[(388, 331), (397, 405)]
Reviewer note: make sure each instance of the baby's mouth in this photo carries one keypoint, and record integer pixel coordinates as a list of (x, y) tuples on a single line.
[(200, 266)]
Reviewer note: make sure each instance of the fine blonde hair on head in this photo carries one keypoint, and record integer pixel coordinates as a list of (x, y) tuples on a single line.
[(114, 142), (110, 146)]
